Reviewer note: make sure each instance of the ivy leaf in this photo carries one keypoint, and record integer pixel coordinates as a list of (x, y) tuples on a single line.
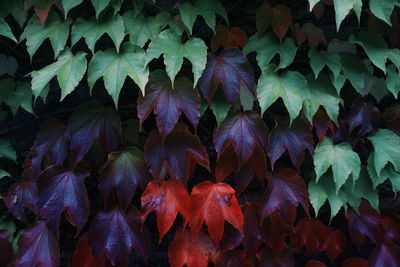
[(166, 198), (294, 138), (115, 67), (91, 30), (93, 122), (393, 80), (4, 174), (213, 204), (5, 30), (312, 3), (268, 46), (363, 117), (322, 124), (100, 5), (123, 172), (19, 196), (177, 154), (169, 44), (342, 9), (386, 149), (285, 188), (38, 246), (6, 150), (55, 30), (281, 258), (226, 38), (83, 255), (322, 94), (205, 8), (142, 29), (69, 70), (232, 70), (21, 97), (334, 244), (392, 118), (69, 4), (115, 233), (62, 190), (344, 161), (352, 261), (291, 86), (254, 236), (320, 59), (169, 102), (383, 9), (6, 247), (385, 255), (15, 9), (355, 71), (310, 33), (279, 17), (194, 251)]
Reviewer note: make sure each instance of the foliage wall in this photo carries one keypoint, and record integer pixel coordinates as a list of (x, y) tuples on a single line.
[(205, 132)]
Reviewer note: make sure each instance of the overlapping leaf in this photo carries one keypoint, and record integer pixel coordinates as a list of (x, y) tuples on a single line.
[(279, 17), (234, 38), (19, 196), (5, 30)]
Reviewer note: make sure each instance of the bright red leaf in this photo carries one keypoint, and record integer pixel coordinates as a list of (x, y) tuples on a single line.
[(7, 252), (38, 246), (168, 102), (115, 233), (295, 138), (214, 204), (92, 122), (21, 195), (230, 69), (279, 17), (124, 171), (192, 250), (177, 154), (285, 191), (226, 38), (166, 198), (83, 256), (61, 190)]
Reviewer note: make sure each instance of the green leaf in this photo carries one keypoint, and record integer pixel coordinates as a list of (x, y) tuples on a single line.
[(220, 107), (4, 174), (318, 60), (142, 29), (114, 68), (291, 86), (268, 46), (355, 71), (312, 3), (322, 93), (5, 30), (343, 160), (100, 5), (69, 70), (383, 9), (54, 29), (14, 8), (92, 30), (393, 80), (6, 150), (343, 7), (386, 149), (205, 8), (386, 173), (169, 44), (69, 4), (21, 97)]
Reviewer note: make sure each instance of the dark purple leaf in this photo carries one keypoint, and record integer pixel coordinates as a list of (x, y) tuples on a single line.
[(363, 117), (6, 249), (392, 118), (385, 255), (21, 195)]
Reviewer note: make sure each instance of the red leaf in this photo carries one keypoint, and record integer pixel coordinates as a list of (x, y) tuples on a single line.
[(254, 236), (62, 190), (334, 244), (314, 35), (385, 255), (83, 256), (234, 38), (282, 259), (276, 230), (233, 258), (7, 252), (213, 204), (194, 251), (314, 263), (38, 247), (246, 131), (177, 154), (354, 262), (21, 195), (124, 171), (295, 138), (310, 234), (232, 70), (278, 17), (168, 103), (43, 12), (392, 118), (93, 122), (50, 147), (115, 233), (166, 198), (285, 189), (322, 124)]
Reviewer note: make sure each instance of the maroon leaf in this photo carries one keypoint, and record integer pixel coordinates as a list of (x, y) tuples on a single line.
[(285, 191), (276, 230), (115, 233), (233, 258), (283, 258), (254, 236), (169, 102), (363, 117), (62, 190), (322, 124), (334, 244), (83, 256), (50, 147), (392, 118), (310, 33), (279, 17), (7, 252), (93, 122), (226, 38), (314, 263), (353, 262), (177, 154), (21, 195), (38, 247), (295, 138), (124, 171), (166, 198), (232, 70), (385, 255)]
